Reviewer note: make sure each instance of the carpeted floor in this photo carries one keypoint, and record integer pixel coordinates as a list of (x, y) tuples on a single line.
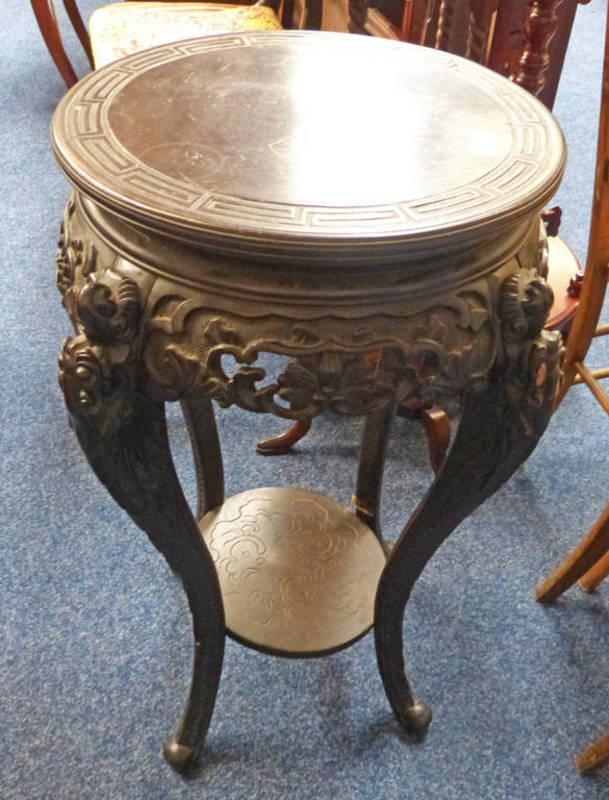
[(95, 648)]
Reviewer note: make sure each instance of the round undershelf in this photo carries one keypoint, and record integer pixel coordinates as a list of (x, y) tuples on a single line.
[(298, 571)]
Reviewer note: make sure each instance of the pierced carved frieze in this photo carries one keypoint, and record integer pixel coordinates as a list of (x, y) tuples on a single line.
[(348, 384), (440, 349), (200, 344)]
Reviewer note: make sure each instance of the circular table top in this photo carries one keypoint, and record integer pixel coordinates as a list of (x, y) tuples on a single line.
[(301, 140)]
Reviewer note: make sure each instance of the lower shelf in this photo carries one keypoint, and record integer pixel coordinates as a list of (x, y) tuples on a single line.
[(297, 570)]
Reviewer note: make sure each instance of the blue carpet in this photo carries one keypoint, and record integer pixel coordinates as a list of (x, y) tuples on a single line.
[(96, 646)]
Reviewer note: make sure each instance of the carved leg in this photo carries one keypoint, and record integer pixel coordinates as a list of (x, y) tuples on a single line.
[(367, 499), (203, 432), (124, 436), (593, 547), (499, 428)]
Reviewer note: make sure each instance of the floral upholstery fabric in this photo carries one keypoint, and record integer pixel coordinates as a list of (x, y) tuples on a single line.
[(120, 29)]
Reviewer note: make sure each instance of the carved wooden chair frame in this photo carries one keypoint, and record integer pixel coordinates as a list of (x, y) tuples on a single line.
[(588, 563), (525, 40), (46, 17)]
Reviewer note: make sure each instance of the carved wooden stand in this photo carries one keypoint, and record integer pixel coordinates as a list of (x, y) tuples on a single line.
[(168, 307), (139, 343)]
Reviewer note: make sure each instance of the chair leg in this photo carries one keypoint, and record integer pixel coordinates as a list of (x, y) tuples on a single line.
[(287, 14), (592, 548), (595, 755), (45, 17), (80, 28), (596, 575), (282, 443), (437, 427)]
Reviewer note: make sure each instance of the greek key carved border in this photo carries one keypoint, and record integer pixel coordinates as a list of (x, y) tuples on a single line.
[(90, 136)]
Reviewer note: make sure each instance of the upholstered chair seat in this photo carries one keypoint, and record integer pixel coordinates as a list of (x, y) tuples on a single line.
[(120, 29)]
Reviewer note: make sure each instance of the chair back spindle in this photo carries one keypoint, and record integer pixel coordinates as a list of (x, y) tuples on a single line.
[(525, 40), (80, 28), (539, 27)]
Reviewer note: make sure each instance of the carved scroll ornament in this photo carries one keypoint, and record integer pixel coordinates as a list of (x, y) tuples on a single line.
[(75, 256), (534, 356), (98, 369), (98, 366)]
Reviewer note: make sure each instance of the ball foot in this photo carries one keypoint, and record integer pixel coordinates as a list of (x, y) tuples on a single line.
[(416, 718), (180, 756)]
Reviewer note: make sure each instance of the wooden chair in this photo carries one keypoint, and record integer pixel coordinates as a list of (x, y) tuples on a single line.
[(118, 29), (522, 39), (589, 561)]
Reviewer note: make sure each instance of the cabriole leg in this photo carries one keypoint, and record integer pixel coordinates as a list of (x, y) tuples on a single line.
[(201, 423), (367, 499), (124, 436), (500, 426)]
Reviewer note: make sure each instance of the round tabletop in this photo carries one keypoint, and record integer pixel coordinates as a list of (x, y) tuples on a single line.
[(302, 140)]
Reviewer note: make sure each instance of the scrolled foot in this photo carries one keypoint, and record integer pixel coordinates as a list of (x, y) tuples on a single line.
[(416, 718), (179, 756)]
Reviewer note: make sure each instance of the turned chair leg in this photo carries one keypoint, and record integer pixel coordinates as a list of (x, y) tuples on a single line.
[(44, 12), (596, 575)]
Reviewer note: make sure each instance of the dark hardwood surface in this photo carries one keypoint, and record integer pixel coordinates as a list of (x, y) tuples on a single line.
[(208, 228), (304, 106)]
